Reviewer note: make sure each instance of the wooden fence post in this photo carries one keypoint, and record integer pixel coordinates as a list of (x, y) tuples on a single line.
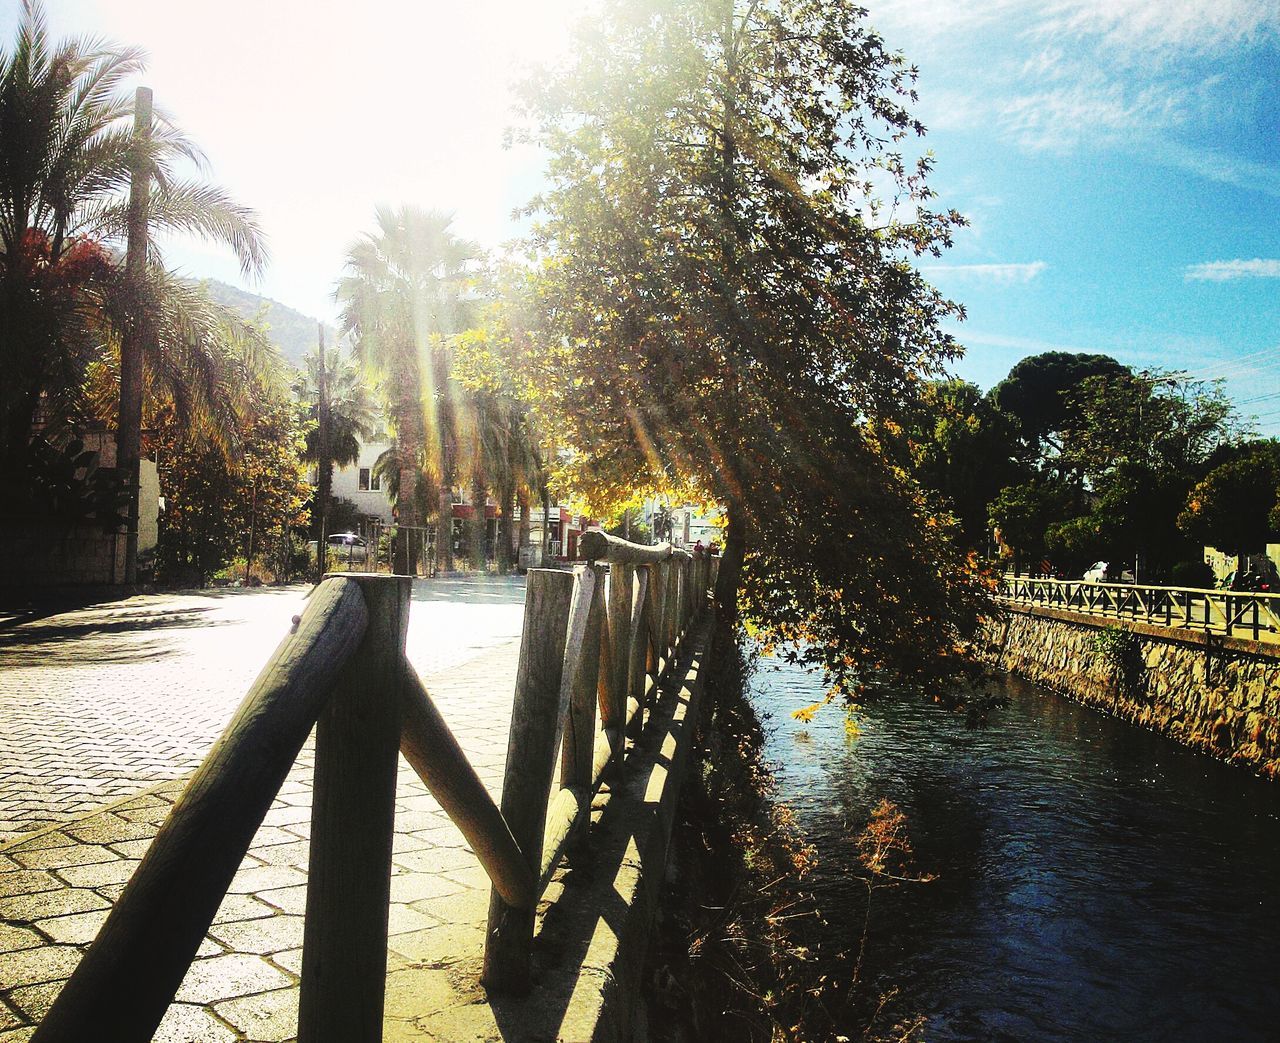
[(344, 948), (621, 584), (580, 728), (526, 784), (637, 649), (126, 981)]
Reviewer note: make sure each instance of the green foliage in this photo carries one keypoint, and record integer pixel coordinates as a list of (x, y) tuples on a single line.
[(211, 502), (1023, 514), (1196, 574), (962, 448), (1234, 508), (1115, 455), (405, 296), (1037, 393), (721, 309), (1120, 649), (66, 142)]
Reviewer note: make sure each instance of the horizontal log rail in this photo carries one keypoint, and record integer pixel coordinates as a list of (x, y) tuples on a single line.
[(1227, 612), (601, 638)]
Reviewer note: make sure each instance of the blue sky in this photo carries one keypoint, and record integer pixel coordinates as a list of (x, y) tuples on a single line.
[(1120, 166), (1118, 160)]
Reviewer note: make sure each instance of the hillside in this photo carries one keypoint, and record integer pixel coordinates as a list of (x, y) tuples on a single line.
[(291, 331)]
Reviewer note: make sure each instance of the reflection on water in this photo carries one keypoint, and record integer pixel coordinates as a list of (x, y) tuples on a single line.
[(1095, 881)]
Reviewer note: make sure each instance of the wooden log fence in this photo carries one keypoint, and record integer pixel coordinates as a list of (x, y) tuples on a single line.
[(589, 645), (585, 649), (1229, 612)]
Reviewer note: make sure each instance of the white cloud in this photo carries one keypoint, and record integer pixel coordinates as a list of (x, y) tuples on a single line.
[(1000, 274), (1158, 28), (1090, 112), (1226, 271)]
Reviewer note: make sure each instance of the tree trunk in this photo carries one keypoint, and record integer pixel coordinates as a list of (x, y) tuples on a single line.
[(523, 540), (506, 507), (479, 523), (546, 526), (735, 545), (444, 528)]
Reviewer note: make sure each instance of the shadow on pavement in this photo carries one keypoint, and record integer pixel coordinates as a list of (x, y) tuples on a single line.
[(96, 639)]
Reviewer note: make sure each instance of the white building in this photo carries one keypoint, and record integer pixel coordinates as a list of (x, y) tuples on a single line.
[(357, 483)]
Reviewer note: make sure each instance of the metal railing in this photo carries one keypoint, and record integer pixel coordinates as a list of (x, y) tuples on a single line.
[(1227, 612), (343, 671)]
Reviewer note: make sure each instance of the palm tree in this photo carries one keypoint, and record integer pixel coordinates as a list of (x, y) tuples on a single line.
[(404, 295), (65, 149), (349, 414)]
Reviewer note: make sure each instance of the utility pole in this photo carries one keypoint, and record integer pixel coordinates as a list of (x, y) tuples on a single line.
[(138, 328), (324, 476)]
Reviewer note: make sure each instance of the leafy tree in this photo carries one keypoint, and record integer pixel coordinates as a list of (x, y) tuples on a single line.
[(66, 143), (963, 448), (1234, 508), (404, 295), (1022, 514), (350, 418), (1037, 393), (727, 312), (213, 502)]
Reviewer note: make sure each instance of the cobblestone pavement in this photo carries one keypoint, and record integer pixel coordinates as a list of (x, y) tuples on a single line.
[(57, 882), (100, 702)]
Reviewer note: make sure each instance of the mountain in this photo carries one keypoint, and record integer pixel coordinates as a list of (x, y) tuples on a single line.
[(291, 331)]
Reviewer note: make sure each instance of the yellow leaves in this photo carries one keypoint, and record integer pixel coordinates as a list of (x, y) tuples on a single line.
[(807, 713)]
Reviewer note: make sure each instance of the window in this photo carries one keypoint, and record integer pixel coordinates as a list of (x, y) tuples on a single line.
[(368, 481)]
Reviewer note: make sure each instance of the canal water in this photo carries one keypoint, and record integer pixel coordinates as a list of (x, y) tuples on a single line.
[(1094, 881)]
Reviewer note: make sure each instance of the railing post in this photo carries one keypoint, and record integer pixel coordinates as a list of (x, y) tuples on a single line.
[(621, 585), (637, 649), (344, 948), (580, 728), (531, 754)]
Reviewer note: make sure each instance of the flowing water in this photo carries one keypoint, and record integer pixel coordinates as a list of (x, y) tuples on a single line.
[(1094, 881)]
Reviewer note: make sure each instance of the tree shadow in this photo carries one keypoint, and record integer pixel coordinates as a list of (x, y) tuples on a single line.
[(97, 639)]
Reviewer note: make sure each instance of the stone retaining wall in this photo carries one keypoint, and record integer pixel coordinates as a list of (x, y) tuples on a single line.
[(1216, 694)]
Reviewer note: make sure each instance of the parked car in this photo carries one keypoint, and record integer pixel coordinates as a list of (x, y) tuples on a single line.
[(344, 546), (1102, 572)]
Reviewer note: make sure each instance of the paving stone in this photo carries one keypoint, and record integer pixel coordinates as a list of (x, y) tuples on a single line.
[(439, 946), (403, 917), (26, 908), (26, 881), (61, 857), (270, 1017), (184, 1023), (265, 878), (295, 853), (290, 960), (286, 899), (274, 934), (9, 1019), (241, 907), (435, 859), (35, 966), (17, 1036), (34, 1001), (119, 737), (12, 937), (229, 977), (79, 929), (108, 829), (99, 874), (411, 887)]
